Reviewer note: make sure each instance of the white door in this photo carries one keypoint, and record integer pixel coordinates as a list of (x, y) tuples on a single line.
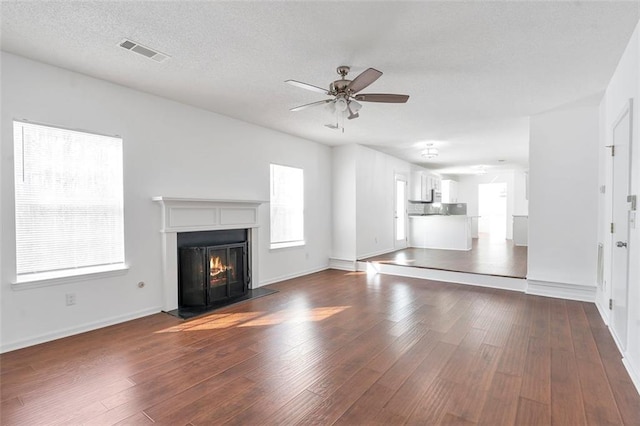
[(492, 208), (620, 218), (400, 212)]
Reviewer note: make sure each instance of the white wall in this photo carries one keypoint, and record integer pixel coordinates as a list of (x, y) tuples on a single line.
[(563, 194), (363, 202), (516, 201), (344, 202), (170, 149), (624, 85), (375, 183)]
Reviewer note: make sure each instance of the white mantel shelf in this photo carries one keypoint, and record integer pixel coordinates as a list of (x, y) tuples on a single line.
[(202, 214)]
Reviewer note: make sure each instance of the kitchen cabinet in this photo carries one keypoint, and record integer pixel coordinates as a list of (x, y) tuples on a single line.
[(449, 191), (421, 185)]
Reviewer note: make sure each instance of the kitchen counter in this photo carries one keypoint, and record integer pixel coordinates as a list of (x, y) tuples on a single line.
[(448, 232)]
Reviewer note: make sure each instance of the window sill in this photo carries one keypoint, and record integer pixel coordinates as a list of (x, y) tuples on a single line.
[(276, 246), (47, 279)]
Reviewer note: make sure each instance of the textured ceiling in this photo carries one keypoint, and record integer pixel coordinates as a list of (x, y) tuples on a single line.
[(475, 70)]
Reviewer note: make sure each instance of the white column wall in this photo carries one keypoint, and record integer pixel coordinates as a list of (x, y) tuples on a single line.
[(563, 194)]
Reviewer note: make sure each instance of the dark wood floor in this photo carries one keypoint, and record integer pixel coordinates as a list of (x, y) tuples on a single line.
[(335, 348), (487, 257)]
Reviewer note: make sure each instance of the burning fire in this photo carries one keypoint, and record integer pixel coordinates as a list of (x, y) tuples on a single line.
[(218, 270)]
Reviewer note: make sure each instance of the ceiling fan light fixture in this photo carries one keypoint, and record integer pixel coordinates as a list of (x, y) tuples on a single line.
[(341, 105), (355, 106)]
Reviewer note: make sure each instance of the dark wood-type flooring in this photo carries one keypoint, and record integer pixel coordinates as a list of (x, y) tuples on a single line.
[(335, 348), (486, 257)]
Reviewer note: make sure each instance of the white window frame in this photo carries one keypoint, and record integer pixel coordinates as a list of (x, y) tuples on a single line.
[(116, 266), (274, 206)]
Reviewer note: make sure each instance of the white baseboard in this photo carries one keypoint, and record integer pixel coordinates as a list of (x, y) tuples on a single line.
[(603, 313), (47, 337), (291, 276), (342, 264), (562, 290), (378, 253), (504, 283), (633, 373)]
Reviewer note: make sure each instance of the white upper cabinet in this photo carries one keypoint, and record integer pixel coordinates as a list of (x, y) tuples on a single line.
[(421, 185)]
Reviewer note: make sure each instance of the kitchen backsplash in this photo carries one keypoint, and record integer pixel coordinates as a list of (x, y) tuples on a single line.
[(437, 208)]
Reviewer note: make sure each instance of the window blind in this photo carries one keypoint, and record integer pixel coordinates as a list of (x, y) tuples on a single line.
[(68, 199), (287, 204)]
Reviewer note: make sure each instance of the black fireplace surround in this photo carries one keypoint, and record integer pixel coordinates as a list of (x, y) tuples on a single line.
[(213, 267)]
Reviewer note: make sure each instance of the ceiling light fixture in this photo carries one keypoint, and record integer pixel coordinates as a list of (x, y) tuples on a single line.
[(430, 152)]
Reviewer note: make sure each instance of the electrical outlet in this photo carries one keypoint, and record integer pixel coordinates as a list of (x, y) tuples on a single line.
[(71, 299)]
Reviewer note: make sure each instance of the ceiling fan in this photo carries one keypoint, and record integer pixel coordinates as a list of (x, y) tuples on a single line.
[(345, 93)]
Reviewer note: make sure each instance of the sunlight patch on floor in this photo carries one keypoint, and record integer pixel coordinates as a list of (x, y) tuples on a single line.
[(256, 319)]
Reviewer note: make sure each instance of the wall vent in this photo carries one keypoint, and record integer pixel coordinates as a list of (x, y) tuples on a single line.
[(143, 50)]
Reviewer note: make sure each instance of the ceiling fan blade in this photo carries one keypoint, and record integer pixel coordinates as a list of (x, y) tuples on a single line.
[(298, 108), (382, 97), (367, 77), (307, 86)]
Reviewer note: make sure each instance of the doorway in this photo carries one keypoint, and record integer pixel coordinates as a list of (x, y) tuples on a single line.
[(492, 208), (620, 214), (400, 212)]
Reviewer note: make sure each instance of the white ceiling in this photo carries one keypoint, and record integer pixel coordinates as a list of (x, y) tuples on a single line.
[(475, 70)]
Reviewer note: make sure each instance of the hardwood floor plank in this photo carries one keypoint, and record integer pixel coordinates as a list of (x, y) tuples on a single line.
[(501, 405), (599, 404), (335, 348), (532, 413), (515, 351), (411, 390), (331, 408), (536, 380), (366, 409), (567, 405), (431, 407)]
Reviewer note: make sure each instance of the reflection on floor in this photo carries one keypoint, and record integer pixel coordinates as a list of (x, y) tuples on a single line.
[(487, 257)]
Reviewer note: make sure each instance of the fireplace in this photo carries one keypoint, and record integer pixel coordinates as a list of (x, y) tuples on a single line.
[(213, 267), (189, 216)]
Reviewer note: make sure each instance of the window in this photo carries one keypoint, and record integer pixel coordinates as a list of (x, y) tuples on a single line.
[(287, 206), (69, 202)]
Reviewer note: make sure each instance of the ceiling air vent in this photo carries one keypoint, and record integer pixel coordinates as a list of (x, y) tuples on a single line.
[(143, 50)]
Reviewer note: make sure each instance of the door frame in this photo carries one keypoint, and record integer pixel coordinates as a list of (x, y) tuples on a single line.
[(400, 243), (627, 111)]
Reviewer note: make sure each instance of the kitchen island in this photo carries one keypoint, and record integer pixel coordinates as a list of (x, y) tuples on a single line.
[(448, 232)]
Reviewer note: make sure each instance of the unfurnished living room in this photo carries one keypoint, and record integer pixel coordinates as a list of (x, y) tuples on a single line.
[(319, 212)]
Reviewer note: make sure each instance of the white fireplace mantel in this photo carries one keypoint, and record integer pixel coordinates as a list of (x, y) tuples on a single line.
[(200, 214)]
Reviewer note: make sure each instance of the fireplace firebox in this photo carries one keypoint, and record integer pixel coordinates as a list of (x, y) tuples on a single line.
[(210, 274)]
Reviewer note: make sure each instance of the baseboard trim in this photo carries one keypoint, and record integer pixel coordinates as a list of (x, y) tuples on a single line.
[(491, 281), (635, 376), (377, 253), (71, 331), (343, 264), (603, 313), (561, 290), (291, 276)]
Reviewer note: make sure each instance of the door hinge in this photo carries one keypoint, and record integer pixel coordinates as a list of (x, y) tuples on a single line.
[(610, 303), (612, 227)]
